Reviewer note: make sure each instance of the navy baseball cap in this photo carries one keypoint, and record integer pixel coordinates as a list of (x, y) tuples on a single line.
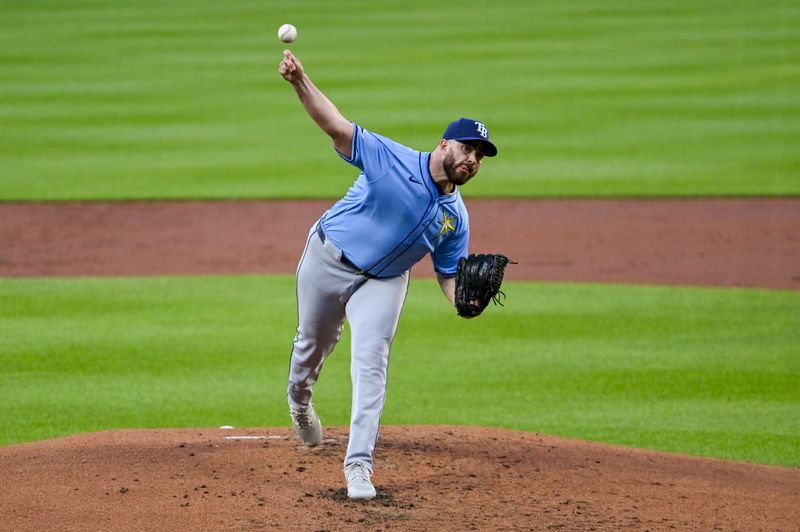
[(469, 129)]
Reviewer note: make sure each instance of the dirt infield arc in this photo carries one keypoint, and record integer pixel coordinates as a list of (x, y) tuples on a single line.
[(712, 242), (428, 478)]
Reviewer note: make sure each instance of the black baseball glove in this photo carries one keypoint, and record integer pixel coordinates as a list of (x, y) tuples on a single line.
[(478, 280)]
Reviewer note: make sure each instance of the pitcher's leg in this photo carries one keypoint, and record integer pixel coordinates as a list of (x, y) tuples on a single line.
[(320, 311), (373, 313), (311, 346)]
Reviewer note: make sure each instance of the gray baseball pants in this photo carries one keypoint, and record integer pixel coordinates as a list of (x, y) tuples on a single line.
[(328, 292)]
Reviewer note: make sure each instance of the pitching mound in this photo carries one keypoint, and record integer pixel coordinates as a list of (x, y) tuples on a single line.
[(447, 478)]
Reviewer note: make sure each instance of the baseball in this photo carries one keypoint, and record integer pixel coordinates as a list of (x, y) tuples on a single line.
[(287, 33)]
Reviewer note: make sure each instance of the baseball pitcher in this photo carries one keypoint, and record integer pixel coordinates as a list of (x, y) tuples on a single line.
[(404, 205)]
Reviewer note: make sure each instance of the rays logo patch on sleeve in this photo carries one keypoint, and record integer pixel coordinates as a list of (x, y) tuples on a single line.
[(448, 224)]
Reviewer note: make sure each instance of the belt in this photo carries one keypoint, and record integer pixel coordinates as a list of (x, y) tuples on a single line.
[(343, 259)]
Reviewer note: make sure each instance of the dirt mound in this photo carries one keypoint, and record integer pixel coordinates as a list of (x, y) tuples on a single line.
[(446, 478)]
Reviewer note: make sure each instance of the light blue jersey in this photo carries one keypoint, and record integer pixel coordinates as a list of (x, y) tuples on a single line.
[(394, 214)]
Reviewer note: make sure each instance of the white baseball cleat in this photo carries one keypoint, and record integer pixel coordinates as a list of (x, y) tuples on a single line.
[(307, 425), (359, 486)]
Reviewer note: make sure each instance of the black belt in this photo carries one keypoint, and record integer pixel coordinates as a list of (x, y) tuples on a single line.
[(343, 259)]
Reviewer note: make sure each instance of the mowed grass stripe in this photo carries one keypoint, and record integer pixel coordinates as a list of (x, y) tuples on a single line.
[(148, 100), (711, 372)]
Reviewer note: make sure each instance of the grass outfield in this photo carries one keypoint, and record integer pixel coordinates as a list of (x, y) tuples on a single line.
[(144, 99), (711, 372)]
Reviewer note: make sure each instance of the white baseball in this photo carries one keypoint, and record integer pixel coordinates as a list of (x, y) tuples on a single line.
[(287, 33)]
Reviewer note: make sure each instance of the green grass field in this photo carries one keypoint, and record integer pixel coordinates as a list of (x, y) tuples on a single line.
[(710, 372), (144, 99)]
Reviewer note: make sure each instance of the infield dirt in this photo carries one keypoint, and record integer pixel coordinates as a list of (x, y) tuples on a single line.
[(706, 242), (428, 478)]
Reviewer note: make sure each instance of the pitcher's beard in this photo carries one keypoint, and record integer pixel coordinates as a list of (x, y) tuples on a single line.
[(449, 164)]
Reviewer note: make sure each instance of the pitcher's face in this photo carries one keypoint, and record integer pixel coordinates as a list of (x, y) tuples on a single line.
[(462, 161)]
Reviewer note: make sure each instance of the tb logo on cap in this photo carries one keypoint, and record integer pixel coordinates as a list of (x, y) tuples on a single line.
[(482, 129)]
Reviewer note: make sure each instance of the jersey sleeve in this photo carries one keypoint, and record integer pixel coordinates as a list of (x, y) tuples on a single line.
[(445, 257), (370, 153)]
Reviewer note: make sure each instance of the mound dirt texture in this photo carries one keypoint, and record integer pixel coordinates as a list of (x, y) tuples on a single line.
[(428, 478)]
